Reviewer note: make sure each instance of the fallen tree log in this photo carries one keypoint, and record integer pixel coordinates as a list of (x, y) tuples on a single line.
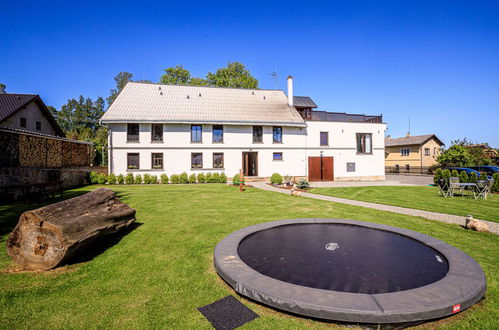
[(46, 237)]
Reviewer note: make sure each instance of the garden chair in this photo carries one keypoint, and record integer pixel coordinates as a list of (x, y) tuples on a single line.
[(443, 187), (454, 185), (483, 188)]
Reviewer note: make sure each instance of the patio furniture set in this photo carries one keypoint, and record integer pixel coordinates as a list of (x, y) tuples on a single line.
[(480, 189)]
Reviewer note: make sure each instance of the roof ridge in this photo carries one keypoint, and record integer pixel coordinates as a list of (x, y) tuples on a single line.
[(215, 87)]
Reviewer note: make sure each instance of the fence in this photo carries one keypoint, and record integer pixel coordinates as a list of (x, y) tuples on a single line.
[(25, 149)]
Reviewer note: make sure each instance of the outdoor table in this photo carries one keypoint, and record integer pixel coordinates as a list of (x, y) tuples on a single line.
[(467, 186)]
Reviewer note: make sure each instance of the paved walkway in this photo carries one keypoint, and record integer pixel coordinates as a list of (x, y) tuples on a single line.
[(442, 217)]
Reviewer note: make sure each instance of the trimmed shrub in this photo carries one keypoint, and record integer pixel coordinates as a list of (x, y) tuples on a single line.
[(129, 179), (209, 178), (164, 178), (446, 175), (94, 177), (111, 179), (302, 184), (463, 177), (276, 178), (216, 177), (454, 173), (192, 178), (483, 176), (120, 179), (153, 179), (174, 178), (235, 180), (438, 175), (495, 187), (223, 178), (102, 178), (138, 179), (184, 178), (201, 178), (473, 177), (147, 178)]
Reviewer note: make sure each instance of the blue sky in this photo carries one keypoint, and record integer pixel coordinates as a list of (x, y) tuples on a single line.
[(435, 61)]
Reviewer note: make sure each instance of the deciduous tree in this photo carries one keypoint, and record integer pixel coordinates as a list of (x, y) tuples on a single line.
[(234, 75)]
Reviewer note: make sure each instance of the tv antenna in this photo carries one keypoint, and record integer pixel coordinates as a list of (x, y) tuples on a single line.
[(275, 76)]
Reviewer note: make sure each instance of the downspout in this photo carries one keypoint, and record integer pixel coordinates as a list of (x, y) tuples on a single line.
[(110, 150)]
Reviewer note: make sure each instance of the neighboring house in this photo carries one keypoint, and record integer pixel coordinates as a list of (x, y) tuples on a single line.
[(412, 154), (27, 112), (170, 129), (487, 151)]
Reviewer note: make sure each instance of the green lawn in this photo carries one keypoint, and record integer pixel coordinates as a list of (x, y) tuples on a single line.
[(421, 198), (159, 273)]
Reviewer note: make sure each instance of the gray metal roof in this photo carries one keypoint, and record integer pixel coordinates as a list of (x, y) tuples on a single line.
[(303, 101), (410, 140), (145, 102)]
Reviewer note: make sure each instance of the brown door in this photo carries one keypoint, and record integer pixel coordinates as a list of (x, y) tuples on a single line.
[(320, 169), (250, 163)]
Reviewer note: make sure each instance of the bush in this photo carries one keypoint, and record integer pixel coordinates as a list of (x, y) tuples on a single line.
[(209, 178), (184, 178), (111, 179), (216, 177), (201, 178), (496, 182), (302, 184), (483, 176), (94, 176), (454, 174), (276, 178), (129, 178), (463, 177), (446, 176), (437, 176), (174, 178), (164, 178), (223, 178), (120, 178), (138, 179), (147, 178), (153, 179), (473, 177), (102, 178), (192, 178), (235, 180)]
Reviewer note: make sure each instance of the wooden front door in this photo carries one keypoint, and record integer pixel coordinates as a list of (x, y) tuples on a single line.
[(250, 163), (320, 169)]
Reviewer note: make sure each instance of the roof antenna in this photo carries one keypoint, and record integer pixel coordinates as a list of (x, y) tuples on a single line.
[(275, 76)]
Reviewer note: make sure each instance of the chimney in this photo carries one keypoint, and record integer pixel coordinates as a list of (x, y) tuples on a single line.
[(290, 91)]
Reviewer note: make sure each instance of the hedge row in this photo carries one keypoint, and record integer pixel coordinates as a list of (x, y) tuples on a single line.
[(464, 177), (183, 178)]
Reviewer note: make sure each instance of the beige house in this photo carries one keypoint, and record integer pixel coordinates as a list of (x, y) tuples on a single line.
[(411, 154), (28, 113)]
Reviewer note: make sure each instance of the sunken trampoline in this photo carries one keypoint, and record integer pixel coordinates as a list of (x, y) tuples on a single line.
[(349, 271)]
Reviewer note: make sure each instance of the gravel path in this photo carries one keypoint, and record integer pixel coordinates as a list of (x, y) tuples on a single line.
[(442, 217)]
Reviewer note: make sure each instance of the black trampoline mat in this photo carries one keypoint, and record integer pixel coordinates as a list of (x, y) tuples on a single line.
[(227, 313), (342, 257)]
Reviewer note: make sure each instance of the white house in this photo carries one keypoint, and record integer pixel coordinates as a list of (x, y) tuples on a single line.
[(169, 129)]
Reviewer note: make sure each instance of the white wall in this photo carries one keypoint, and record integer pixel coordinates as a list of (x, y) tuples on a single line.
[(177, 148), (32, 113), (343, 147), (298, 144)]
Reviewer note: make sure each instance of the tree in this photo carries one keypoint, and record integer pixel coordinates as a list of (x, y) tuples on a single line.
[(2, 88), (234, 75), (176, 76), (121, 80), (456, 155), (198, 82)]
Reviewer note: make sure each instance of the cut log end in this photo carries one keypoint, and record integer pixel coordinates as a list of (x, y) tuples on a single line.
[(45, 237)]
